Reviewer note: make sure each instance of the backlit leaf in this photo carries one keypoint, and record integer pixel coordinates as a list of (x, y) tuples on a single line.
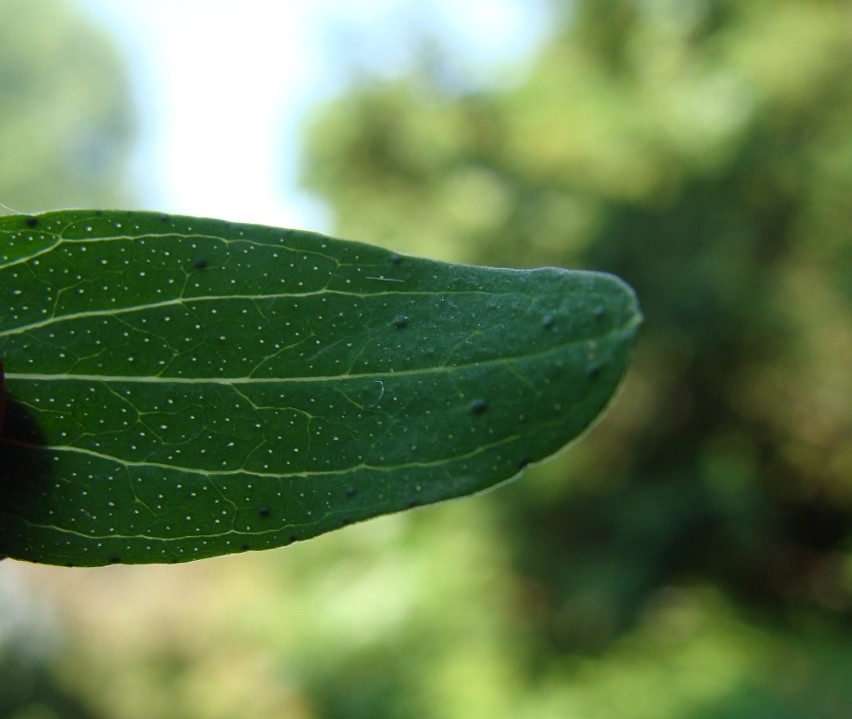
[(180, 388)]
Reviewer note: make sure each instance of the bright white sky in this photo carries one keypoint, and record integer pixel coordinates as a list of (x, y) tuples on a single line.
[(222, 85)]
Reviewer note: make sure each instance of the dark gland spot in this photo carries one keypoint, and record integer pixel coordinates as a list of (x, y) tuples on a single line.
[(165, 218), (547, 322), (114, 560), (593, 370), (31, 221), (413, 502), (400, 322), (478, 406), (351, 491), (264, 512), (244, 548), (396, 259), (199, 263), (523, 462)]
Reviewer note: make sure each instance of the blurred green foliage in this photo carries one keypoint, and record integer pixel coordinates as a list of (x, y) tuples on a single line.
[(692, 557), (66, 118), (702, 151)]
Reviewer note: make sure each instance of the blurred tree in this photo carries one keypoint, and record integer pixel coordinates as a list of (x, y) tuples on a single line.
[(65, 129), (701, 150), (66, 117)]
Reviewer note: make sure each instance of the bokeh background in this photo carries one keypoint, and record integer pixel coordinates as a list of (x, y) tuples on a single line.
[(691, 558)]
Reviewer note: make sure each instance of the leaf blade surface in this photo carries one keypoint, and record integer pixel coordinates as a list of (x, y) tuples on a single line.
[(183, 387)]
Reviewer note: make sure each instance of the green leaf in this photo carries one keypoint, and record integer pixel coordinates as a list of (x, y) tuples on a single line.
[(180, 388)]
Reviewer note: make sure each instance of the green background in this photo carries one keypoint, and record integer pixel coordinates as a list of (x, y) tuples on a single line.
[(693, 556)]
